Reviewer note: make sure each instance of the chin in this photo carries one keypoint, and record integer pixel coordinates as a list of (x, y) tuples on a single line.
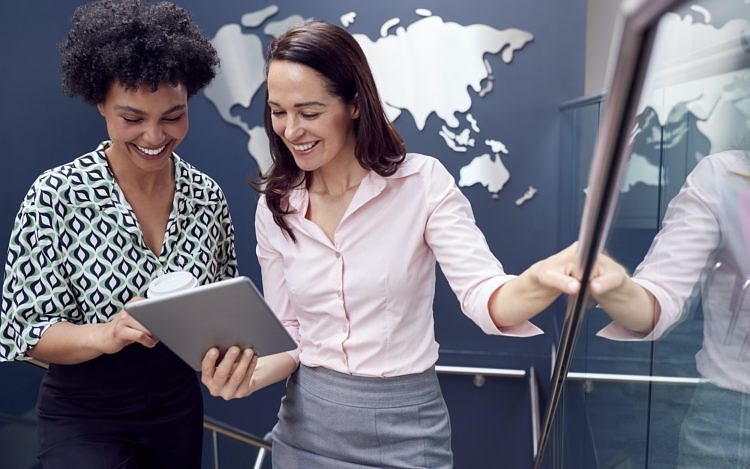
[(305, 165)]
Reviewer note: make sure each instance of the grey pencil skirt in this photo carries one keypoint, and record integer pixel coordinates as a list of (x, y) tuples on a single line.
[(334, 421)]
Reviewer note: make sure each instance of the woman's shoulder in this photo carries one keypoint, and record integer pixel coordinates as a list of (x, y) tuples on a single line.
[(196, 184), (81, 175), (417, 164), (731, 161), (262, 209), (717, 167), (422, 176)]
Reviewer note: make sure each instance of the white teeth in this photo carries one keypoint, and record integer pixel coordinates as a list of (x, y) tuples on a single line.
[(150, 151), (304, 147)]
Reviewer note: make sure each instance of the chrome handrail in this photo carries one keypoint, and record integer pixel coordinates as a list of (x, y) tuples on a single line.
[(584, 101), (470, 370), (479, 374), (535, 412), (621, 378), (235, 433)]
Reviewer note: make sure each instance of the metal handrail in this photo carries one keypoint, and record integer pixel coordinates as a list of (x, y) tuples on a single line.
[(470, 370), (235, 433), (620, 378), (584, 100), (480, 373), (572, 375), (535, 412)]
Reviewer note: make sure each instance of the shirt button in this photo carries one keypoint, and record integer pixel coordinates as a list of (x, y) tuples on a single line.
[(338, 254), (340, 293)]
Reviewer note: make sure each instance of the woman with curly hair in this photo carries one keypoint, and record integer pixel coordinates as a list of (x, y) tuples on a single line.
[(91, 234), (349, 229)]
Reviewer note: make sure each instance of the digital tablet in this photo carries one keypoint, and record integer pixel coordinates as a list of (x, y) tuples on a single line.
[(221, 314)]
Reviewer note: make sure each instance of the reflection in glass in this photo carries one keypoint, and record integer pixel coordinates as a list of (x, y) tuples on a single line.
[(699, 259), (685, 401), (696, 102)]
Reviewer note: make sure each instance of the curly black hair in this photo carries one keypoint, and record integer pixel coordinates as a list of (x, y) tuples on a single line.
[(134, 43)]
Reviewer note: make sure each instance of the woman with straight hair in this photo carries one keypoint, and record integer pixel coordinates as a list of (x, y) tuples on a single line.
[(349, 228)]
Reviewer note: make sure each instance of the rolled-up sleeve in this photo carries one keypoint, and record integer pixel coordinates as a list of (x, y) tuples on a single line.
[(680, 252), (272, 273), (461, 249), (35, 289)]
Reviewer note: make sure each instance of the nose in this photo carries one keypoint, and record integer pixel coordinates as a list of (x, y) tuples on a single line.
[(292, 129), (154, 134)]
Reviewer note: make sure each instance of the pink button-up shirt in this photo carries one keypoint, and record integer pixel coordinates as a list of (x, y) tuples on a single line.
[(363, 304), (705, 240)]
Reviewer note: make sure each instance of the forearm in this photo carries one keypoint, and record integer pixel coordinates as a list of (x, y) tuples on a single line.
[(535, 289), (272, 369), (631, 306), (68, 344), (519, 300)]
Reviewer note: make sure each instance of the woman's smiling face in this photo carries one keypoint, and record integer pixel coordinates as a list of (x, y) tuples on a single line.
[(145, 126), (315, 125)]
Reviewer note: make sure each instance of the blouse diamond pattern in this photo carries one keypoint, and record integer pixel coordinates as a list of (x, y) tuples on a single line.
[(76, 252)]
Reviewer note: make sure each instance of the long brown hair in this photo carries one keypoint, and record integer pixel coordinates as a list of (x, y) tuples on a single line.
[(336, 55)]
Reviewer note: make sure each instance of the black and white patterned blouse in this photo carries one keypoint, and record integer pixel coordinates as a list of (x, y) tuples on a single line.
[(77, 253)]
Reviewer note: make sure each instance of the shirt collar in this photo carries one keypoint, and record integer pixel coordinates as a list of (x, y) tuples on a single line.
[(190, 186)]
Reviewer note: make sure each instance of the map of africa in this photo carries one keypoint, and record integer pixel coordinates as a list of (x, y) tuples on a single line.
[(424, 68)]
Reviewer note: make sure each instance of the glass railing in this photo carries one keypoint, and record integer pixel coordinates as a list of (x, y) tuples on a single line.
[(678, 105)]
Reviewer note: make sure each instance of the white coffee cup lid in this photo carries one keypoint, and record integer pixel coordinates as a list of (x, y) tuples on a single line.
[(170, 283)]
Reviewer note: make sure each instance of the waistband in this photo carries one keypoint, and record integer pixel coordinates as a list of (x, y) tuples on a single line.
[(361, 391), (134, 367)]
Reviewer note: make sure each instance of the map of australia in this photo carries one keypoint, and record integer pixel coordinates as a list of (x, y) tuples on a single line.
[(429, 67)]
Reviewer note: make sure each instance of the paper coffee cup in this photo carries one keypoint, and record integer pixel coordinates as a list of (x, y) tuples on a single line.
[(172, 282)]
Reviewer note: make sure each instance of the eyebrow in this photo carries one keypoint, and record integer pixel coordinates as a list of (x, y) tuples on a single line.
[(178, 107), (302, 104)]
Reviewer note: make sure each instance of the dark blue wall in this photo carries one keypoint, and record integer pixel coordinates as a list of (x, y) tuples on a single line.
[(40, 128)]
